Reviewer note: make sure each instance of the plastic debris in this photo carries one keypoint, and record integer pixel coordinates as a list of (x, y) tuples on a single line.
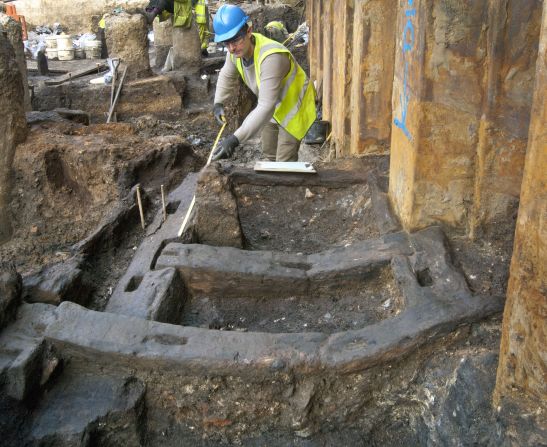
[(82, 39)]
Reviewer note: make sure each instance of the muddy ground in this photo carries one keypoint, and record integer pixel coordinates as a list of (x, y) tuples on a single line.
[(343, 307), (314, 219), (69, 177)]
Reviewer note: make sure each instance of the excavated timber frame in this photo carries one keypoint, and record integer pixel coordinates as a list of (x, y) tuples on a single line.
[(168, 271), (173, 360)]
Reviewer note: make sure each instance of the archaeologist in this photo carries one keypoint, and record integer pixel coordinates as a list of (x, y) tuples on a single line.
[(275, 30), (101, 36), (180, 11), (286, 99), (201, 15)]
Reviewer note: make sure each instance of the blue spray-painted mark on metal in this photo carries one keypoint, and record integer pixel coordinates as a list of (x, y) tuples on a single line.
[(408, 45)]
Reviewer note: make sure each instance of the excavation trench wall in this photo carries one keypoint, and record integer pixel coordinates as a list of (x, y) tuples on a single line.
[(446, 86), (521, 373), (12, 128), (14, 34)]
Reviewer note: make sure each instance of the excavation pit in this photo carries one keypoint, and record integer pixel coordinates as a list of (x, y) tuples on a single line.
[(344, 305), (312, 218), (293, 213), (234, 279)]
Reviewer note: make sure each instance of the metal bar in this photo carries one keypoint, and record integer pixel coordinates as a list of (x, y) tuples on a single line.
[(113, 106)]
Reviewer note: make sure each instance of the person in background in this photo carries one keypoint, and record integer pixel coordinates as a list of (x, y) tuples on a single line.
[(180, 11), (201, 15), (286, 98), (275, 30), (101, 35)]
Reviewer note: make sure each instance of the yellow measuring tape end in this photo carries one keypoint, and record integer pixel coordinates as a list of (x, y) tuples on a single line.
[(216, 142)]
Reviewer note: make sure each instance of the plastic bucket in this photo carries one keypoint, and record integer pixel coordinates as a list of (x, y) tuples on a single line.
[(65, 55), (64, 42), (51, 53), (51, 42), (93, 49)]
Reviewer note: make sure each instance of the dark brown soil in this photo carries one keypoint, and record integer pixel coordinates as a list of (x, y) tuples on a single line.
[(68, 177), (307, 220), (66, 180), (485, 261), (350, 306)]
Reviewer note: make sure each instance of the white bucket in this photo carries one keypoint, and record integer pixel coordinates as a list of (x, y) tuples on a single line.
[(66, 55), (64, 42), (51, 53), (51, 42), (93, 49)]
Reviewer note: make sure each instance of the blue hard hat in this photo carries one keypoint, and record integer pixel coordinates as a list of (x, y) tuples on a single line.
[(228, 20)]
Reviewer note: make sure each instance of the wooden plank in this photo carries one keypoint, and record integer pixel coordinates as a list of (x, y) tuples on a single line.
[(318, 50), (343, 40), (311, 42), (327, 62), (372, 76), (50, 71), (77, 74)]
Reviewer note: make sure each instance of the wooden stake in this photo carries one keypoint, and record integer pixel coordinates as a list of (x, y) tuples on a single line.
[(163, 204), (139, 201), (68, 90)]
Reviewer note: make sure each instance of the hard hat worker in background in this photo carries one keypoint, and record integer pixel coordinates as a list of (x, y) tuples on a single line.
[(286, 98), (181, 12), (101, 35), (201, 14), (276, 31)]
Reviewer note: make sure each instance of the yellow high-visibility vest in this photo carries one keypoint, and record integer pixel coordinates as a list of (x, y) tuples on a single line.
[(275, 24), (164, 16), (182, 16), (296, 111), (201, 11)]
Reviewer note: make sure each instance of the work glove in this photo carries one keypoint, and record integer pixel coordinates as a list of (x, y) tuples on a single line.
[(226, 148), (218, 111)]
